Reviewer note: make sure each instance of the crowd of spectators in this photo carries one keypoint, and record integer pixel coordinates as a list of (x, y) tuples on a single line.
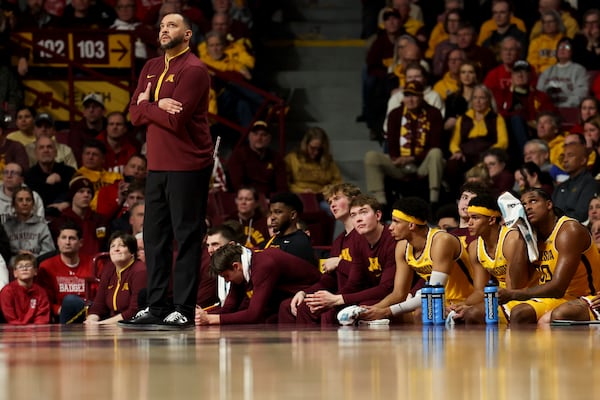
[(501, 74)]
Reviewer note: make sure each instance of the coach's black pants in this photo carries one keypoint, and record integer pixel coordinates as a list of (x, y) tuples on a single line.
[(175, 209)]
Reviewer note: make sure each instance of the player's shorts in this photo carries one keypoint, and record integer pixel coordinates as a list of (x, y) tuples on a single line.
[(540, 305), (594, 314)]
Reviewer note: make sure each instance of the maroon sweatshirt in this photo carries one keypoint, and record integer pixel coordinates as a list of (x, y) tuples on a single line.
[(274, 276), (377, 276), (119, 294), (175, 142)]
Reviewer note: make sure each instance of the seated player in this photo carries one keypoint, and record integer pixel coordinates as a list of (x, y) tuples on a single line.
[(260, 281), (285, 212), (337, 266), (568, 265), (498, 253), (436, 256), (211, 290), (365, 275)]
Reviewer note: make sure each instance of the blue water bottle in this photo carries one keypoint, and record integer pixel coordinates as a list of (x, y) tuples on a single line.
[(491, 303), (426, 305), (437, 298)]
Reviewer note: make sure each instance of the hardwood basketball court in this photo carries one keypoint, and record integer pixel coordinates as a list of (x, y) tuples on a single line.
[(262, 362)]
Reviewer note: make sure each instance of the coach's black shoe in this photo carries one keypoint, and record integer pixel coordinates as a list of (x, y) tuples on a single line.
[(142, 318), (177, 320)]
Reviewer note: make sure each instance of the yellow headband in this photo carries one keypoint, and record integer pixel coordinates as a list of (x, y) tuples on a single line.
[(483, 211), (405, 217)]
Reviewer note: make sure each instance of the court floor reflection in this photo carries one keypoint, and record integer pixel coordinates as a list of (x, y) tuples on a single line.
[(266, 362)]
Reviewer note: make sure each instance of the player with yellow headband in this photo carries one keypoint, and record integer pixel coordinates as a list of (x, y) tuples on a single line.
[(431, 253), (498, 252)]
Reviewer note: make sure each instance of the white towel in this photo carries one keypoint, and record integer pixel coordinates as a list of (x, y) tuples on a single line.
[(375, 322), (348, 315), (222, 289), (514, 214), (246, 260)]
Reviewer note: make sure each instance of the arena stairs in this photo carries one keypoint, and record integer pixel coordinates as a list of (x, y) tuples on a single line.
[(317, 69)]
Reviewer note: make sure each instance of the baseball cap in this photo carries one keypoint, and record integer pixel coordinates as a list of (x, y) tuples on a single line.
[(259, 126), (42, 118), (95, 97), (521, 65), (413, 87), (390, 12)]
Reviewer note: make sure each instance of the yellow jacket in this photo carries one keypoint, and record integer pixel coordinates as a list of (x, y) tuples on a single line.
[(398, 70), (479, 130), (224, 64), (438, 35), (446, 85), (542, 52), (304, 176), (412, 26), (556, 150), (19, 136), (570, 23), (236, 55)]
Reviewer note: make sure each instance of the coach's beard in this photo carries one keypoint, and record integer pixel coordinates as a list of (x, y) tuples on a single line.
[(172, 43)]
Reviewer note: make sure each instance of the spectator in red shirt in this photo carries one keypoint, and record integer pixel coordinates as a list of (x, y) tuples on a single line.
[(23, 301), (500, 78), (67, 275)]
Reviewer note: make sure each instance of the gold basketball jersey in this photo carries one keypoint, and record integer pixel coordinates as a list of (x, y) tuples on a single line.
[(586, 280), (497, 265), (460, 282)]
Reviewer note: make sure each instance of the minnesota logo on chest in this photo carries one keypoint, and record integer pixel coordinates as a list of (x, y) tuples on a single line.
[(423, 269)]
